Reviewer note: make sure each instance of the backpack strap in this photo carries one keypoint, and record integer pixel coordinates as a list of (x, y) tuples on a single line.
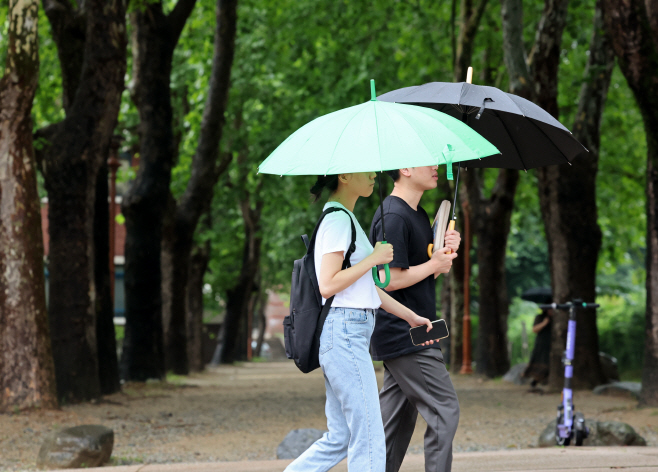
[(311, 245), (346, 264), (306, 241)]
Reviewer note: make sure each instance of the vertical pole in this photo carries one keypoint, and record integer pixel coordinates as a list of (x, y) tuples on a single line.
[(113, 164), (466, 330)]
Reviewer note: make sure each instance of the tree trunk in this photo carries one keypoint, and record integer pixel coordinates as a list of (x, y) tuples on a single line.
[(490, 222), (491, 219), (469, 22), (76, 150), (167, 263), (568, 203), (108, 365), (207, 166), (633, 30), (27, 374), (239, 298), (155, 36), (261, 306), (567, 194), (198, 266)]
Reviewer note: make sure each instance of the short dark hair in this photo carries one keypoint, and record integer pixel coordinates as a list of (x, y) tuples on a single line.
[(324, 181), (394, 174)]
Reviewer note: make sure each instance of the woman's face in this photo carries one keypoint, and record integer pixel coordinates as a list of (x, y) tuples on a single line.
[(360, 183)]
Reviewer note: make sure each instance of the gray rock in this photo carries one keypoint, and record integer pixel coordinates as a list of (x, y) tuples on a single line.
[(547, 437), (620, 388), (609, 366), (601, 433), (515, 373), (296, 442), (615, 433), (80, 446)]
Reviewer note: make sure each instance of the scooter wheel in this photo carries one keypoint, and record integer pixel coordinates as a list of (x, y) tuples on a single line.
[(580, 430)]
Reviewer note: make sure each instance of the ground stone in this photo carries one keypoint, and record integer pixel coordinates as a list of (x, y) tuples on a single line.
[(601, 433), (620, 388), (296, 442), (80, 446), (515, 373)]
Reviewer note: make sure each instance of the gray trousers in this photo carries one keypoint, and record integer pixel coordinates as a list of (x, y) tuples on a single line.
[(419, 383)]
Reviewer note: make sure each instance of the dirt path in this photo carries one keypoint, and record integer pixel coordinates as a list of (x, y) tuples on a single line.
[(243, 413)]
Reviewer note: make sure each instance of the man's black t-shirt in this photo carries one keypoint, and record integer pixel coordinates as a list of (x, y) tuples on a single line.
[(410, 233)]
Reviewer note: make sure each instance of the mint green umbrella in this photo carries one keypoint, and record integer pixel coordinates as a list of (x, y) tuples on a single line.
[(376, 136)]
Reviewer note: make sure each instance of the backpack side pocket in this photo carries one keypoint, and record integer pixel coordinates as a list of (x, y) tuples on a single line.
[(289, 337)]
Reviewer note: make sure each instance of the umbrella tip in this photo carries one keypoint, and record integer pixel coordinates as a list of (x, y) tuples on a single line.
[(373, 95)]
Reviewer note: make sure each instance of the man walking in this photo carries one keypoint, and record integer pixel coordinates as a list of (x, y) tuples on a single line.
[(415, 377)]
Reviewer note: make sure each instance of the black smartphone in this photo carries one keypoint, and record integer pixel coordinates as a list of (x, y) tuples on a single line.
[(419, 334)]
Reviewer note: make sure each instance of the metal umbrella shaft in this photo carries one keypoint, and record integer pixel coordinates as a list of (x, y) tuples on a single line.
[(387, 272)]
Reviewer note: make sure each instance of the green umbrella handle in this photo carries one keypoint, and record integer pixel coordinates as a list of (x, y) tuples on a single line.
[(375, 275)]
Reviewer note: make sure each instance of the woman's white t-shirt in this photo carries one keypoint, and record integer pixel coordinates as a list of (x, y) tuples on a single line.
[(334, 235)]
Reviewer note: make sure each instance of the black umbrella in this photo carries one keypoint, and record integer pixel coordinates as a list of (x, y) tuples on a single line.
[(526, 135), (539, 295)]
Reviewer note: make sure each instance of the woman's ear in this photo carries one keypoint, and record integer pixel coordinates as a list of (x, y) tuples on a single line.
[(343, 178)]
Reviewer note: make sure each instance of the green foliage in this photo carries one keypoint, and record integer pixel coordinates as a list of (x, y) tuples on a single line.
[(621, 326), (521, 313), (48, 106), (298, 59), (4, 28)]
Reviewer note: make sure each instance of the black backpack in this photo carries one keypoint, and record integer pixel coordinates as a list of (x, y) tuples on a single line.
[(303, 327)]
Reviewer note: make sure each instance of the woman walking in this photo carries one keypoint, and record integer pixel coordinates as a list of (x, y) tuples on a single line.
[(352, 407)]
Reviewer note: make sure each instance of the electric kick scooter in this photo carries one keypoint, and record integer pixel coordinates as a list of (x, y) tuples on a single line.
[(570, 426)]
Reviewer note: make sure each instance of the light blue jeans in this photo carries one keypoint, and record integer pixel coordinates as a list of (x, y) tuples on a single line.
[(353, 414)]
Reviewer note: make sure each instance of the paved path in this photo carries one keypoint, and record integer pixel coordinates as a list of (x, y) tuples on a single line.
[(586, 459)]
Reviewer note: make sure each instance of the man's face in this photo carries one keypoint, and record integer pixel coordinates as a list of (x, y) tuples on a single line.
[(423, 178)]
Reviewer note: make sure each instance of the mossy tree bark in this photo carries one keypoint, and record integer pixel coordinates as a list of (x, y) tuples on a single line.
[(27, 375)]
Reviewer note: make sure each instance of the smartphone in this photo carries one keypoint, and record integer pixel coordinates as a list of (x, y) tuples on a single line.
[(419, 334)]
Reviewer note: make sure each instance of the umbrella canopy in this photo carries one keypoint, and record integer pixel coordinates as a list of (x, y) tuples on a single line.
[(526, 135), (376, 136), (539, 295)]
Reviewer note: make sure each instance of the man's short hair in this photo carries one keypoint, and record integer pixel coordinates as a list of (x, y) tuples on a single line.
[(394, 174)]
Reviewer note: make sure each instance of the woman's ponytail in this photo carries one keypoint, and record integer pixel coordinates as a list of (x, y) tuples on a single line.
[(324, 181)]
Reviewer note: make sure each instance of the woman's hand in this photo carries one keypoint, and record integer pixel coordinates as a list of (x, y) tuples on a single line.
[(416, 320), (419, 321), (382, 254)]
